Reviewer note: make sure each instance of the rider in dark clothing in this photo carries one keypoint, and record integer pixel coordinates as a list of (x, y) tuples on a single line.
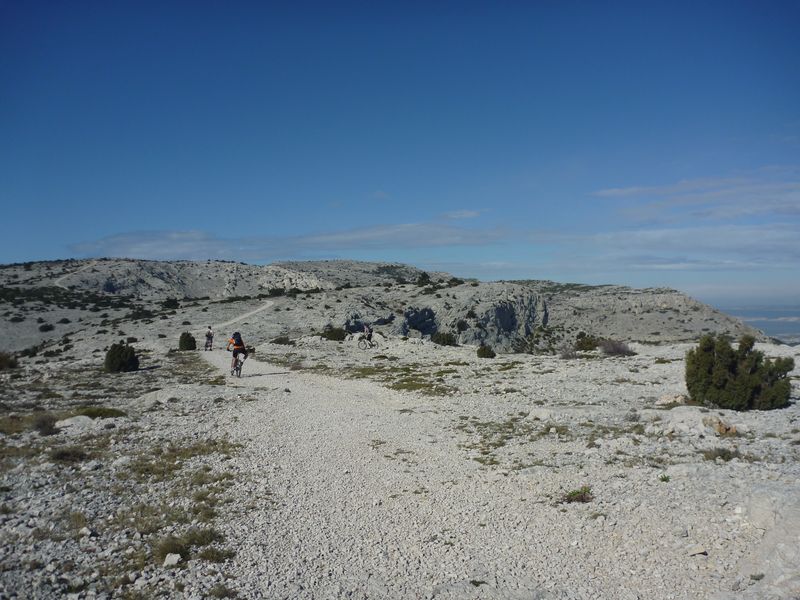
[(238, 348)]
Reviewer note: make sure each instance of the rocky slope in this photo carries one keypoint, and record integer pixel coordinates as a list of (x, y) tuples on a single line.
[(398, 299)]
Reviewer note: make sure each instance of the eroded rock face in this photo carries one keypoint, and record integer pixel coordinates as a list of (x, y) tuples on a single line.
[(399, 299)]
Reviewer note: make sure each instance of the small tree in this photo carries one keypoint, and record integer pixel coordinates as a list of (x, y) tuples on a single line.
[(444, 339), (719, 376), (187, 342), (485, 352), (121, 357)]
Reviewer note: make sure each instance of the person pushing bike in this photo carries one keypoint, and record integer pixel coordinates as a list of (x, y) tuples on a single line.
[(238, 348)]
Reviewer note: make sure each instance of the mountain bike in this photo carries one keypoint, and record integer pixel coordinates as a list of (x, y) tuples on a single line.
[(364, 343), (237, 366)]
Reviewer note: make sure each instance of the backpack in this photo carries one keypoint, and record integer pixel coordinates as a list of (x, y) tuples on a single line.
[(237, 339)]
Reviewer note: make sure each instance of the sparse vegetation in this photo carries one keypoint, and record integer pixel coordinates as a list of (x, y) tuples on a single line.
[(485, 351), (742, 379), (7, 361), (187, 342), (582, 494), (615, 348), (586, 343), (334, 334), (444, 339), (45, 424), (121, 358)]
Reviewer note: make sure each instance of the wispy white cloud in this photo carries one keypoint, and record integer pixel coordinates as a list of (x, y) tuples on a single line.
[(187, 245), (681, 187), (462, 214), (769, 192)]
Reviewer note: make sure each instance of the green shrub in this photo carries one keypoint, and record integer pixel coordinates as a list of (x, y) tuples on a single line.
[(7, 361), (187, 342), (742, 379), (334, 334), (586, 343), (582, 494), (46, 327), (121, 358), (444, 339), (486, 352), (170, 303), (462, 325)]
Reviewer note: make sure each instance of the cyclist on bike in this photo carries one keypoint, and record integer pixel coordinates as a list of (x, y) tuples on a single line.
[(367, 333), (238, 348)]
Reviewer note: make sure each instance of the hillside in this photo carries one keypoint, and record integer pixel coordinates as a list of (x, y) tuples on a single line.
[(511, 316)]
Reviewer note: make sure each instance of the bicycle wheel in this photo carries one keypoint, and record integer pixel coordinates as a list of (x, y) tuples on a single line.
[(362, 344), (373, 343)]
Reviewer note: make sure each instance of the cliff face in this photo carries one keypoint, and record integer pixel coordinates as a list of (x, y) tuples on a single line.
[(398, 299)]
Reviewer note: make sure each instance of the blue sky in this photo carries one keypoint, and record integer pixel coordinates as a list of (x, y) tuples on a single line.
[(640, 143)]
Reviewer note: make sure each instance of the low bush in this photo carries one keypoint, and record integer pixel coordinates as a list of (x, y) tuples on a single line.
[(444, 339), (46, 327), (45, 424), (486, 352), (187, 342), (7, 361), (742, 379), (170, 304), (334, 334), (68, 454), (100, 412), (582, 494), (462, 325), (567, 351), (586, 343), (121, 358), (615, 348)]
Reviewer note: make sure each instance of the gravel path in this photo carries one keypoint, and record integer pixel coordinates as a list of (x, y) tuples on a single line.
[(357, 491)]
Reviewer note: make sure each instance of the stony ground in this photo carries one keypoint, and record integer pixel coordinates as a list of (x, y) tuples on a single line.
[(411, 470), (407, 471)]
